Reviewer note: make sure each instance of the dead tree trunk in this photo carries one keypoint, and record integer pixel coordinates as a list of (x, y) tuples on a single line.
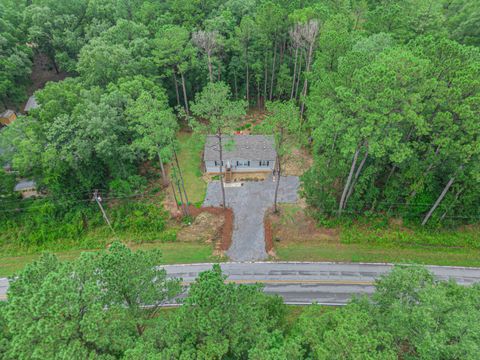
[(439, 200), (210, 70), (349, 180), (305, 81), (309, 34)]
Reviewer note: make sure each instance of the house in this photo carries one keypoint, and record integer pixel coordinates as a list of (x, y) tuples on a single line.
[(244, 156), (31, 104), (28, 188), (7, 117)]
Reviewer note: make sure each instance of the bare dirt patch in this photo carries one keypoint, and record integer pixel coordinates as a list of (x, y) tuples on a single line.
[(296, 161), (267, 223), (43, 72), (210, 225), (293, 225)]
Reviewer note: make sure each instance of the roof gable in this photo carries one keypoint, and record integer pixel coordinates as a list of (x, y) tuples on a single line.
[(243, 147)]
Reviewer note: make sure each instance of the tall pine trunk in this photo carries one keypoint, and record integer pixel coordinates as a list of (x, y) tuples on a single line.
[(247, 80), (279, 170), (457, 195), (235, 86), (305, 83), (439, 200), (299, 73), (220, 147), (176, 87), (279, 174), (294, 73), (349, 180), (174, 192), (182, 182), (272, 80), (187, 110), (265, 82), (355, 178), (164, 175)]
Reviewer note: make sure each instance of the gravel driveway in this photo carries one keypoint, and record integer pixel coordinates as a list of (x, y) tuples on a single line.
[(249, 203)]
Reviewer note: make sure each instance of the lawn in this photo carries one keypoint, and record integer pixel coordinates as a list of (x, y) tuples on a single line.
[(190, 159), (298, 238), (173, 253), (324, 251)]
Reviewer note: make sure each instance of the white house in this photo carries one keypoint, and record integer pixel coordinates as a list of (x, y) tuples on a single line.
[(242, 154)]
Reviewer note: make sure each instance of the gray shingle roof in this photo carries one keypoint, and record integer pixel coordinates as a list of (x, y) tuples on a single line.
[(31, 104), (244, 147), (25, 184)]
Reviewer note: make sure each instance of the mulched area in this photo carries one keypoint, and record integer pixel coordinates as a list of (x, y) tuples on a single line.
[(267, 224)]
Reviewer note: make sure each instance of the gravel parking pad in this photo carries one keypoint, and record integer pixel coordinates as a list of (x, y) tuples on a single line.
[(249, 203)]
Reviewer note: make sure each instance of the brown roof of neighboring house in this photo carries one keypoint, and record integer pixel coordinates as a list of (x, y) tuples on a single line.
[(243, 147), (7, 113)]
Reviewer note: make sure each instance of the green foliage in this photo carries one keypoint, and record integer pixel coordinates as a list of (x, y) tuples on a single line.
[(217, 320), (410, 315), (140, 218), (96, 301), (214, 104), (392, 126)]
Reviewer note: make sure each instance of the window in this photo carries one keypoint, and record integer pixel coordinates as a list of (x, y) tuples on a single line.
[(217, 162), (243, 163), (264, 163)]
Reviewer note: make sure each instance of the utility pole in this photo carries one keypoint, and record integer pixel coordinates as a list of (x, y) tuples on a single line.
[(98, 199)]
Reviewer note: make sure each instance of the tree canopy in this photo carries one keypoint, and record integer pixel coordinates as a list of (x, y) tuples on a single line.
[(92, 307)]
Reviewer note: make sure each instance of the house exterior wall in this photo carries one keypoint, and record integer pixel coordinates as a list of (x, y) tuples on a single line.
[(28, 193), (255, 166)]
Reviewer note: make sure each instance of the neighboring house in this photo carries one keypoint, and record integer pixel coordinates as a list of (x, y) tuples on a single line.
[(7, 117), (242, 155), (27, 188), (31, 104)]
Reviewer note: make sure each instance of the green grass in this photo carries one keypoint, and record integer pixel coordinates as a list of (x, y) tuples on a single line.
[(173, 253), (325, 251), (189, 157), (370, 240)]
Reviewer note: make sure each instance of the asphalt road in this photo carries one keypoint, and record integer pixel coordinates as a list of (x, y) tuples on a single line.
[(305, 283), (249, 203)]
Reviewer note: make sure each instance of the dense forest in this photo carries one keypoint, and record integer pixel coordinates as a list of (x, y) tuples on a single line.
[(387, 92), (410, 316)]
